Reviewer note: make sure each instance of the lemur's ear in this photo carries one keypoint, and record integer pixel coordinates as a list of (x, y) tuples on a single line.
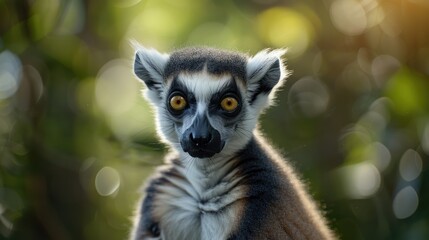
[(149, 67), (264, 72)]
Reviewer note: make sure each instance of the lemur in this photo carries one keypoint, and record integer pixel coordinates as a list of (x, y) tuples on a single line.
[(221, 180)]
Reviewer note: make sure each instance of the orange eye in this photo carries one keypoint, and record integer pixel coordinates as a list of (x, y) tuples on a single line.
[(229, 104), (178, 103)]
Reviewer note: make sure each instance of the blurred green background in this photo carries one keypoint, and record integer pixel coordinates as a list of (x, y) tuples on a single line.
[(77, 140)]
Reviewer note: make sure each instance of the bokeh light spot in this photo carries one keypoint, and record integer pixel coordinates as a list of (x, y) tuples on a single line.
[(355, 79), (373, 121), (284, 27), (117, 94), (383, 67), (8, 85), (159, 26), (107, 181), (390, 24), (355, 141), (380, 155), (374, 12), (35, 80), (359, 181), (349, 17), (308, 97), (116, 87), (44, 17), (410, 165), (10, 74), (380, 106), (405, 202), (406, 89)]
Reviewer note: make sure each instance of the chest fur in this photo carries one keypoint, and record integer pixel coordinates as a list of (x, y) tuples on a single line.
[(193, 204)]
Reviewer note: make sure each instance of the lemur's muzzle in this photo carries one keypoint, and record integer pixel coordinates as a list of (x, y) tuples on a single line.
[(201, 140)]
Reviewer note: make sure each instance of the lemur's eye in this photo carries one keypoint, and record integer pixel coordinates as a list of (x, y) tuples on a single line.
[(177, 102), (229, 104)]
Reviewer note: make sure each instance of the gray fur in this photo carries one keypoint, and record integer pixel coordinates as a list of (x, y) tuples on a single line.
[(217, 61)]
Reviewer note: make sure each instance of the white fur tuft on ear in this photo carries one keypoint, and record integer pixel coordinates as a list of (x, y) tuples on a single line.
[(149, 67), (264, 72), (258, 65)]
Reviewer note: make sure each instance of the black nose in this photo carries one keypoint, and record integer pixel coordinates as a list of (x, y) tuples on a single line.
[(200, 139)]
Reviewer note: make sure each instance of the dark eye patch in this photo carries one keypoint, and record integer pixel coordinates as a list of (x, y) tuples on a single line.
[(229, 90), (177, 88)]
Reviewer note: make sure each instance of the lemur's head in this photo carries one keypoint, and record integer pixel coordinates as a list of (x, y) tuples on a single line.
[(208, 100)]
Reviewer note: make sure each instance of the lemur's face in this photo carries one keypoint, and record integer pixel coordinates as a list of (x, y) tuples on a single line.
[(208, 101), (203, 112)]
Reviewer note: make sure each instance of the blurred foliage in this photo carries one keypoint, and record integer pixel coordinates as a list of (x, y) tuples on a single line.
[(77, 141)]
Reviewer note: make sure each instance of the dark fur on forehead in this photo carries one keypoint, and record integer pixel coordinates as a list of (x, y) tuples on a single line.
[(217, 61)]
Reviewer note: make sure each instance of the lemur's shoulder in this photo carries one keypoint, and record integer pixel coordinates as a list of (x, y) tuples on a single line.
[(278, 198)]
